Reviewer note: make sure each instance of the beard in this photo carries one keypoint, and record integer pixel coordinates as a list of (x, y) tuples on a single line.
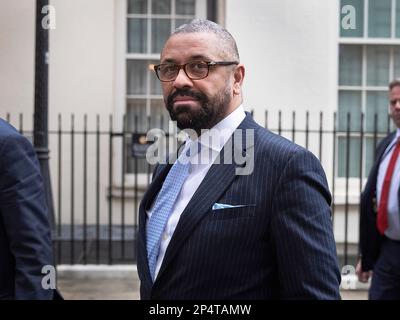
[(211, 111)]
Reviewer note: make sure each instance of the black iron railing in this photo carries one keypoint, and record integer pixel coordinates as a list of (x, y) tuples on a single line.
[(98, 181)]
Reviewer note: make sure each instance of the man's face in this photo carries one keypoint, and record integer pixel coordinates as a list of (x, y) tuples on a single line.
[(394, 97), (197, 104)]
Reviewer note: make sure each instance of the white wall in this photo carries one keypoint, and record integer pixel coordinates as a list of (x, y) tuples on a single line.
[(82, 58), (17, 54), (290, 51), (81, 80)]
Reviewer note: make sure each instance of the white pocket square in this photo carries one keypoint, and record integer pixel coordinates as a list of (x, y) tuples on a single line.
[(219, 206)]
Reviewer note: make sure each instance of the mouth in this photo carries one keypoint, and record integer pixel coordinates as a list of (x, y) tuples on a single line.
[(181, 100)]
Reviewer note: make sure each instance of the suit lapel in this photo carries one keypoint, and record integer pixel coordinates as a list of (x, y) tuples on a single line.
[(205, 196), (379, 156), (385, 145), (221, 175)]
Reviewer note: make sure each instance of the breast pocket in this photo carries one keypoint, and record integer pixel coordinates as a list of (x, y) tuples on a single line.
[(246, 211)]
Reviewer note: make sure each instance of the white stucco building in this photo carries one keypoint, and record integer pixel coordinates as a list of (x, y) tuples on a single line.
[(300, 55)]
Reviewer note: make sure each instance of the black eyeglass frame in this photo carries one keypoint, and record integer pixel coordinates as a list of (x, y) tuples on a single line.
[(183, 66)]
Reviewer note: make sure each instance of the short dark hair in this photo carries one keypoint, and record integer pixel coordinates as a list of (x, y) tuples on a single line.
[(394, 83), (227, 42)]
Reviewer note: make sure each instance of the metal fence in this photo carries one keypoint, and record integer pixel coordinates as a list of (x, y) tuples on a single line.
[(99, 177)]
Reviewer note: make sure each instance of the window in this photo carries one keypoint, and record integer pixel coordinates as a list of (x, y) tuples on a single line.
[(374, 19), (148, 25), (367, 63)]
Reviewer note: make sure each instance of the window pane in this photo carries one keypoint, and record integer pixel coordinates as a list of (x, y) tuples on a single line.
[(134, 164), (354, 157), (185, 7), (136, 76), (378, 58), (379, 18), (357, 12), (397, 19), (370, 148), (159, 114), (349, 102), (155, 84), (161, 29), (136, 115), (377, 103), (350, 65), (136, 122), (137, 6), (162, 6), (396, 58), (137, 35)]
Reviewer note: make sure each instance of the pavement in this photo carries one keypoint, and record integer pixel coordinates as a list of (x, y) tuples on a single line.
[(122, 283), (99, 289)]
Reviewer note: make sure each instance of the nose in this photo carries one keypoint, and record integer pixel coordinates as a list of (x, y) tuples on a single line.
[(182, 80), (397, 104)]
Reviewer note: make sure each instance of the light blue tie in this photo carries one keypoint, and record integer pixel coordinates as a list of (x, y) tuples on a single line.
[(163, 206)]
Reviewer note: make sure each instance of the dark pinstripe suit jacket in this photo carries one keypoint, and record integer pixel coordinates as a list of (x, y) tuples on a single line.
[(279, 246), (370, 238), (25, 240)]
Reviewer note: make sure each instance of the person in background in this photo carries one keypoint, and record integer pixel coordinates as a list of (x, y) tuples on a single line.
[(380, 213)]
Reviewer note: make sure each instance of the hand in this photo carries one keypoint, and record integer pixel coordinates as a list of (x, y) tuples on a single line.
[(363, 276)]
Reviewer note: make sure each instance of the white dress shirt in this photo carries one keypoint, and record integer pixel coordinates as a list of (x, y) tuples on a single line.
[(393, 230), (211, 145)]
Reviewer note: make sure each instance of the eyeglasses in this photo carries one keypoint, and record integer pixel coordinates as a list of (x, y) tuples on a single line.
[(195, 70)]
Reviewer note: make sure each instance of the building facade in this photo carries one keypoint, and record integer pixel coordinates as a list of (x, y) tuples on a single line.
[(300, 56)]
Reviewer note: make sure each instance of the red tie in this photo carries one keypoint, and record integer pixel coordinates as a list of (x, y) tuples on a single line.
[(382, 221)]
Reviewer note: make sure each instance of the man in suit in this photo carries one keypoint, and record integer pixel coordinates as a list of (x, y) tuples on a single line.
[(210, 230), (25, 242), (380, 214)]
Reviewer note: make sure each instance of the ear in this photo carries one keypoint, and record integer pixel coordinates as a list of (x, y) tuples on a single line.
[(238, 77)]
